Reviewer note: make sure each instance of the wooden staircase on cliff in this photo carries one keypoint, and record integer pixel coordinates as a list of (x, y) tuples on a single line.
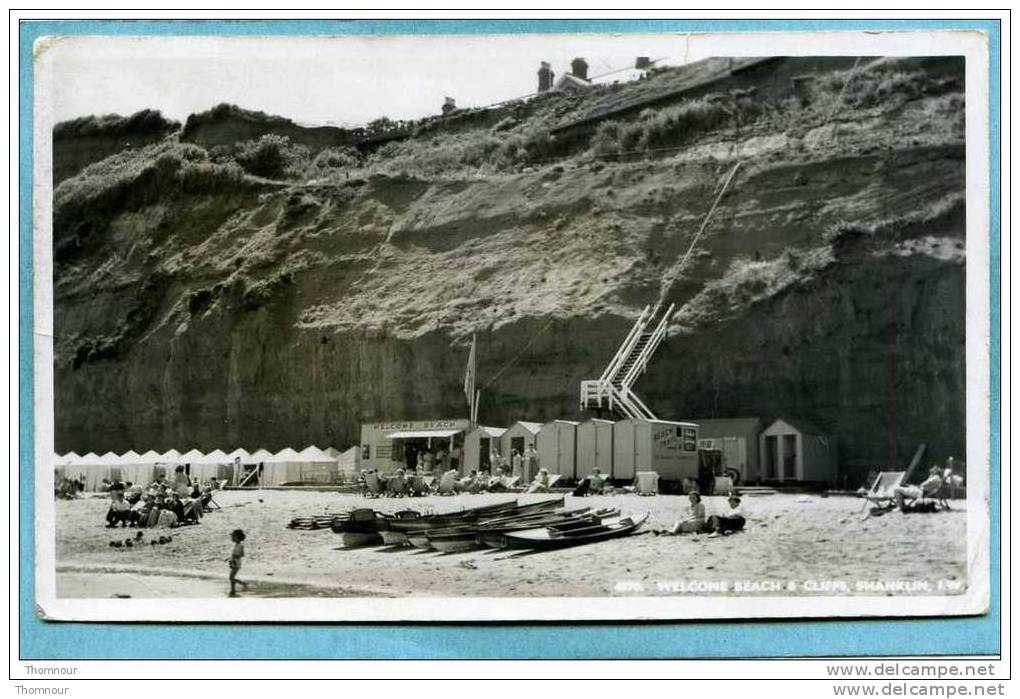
[(613, 391)]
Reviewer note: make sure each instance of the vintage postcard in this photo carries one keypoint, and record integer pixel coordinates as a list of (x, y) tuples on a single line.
[(512, 327)]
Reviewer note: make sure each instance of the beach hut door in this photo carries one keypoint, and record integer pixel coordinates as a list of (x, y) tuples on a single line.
[(484, 445), (771, 456)]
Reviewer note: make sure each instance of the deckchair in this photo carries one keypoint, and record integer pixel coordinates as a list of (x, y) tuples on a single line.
[(511, 482), (372, 486), (882, 492)]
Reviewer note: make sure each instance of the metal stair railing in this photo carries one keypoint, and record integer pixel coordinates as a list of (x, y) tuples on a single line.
[(635, 407), (628, 345), (649, 349)]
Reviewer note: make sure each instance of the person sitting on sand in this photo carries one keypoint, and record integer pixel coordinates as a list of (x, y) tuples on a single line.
[(166, 518), (480, 483), (120, 510), (732, 521), (66, 488), (927, 488), (496, 484), (158, 486), (141, 509), (176, 505), (693, 520), (132, 492), (192, 510), (541, 482), (397, 483), (590, 485)]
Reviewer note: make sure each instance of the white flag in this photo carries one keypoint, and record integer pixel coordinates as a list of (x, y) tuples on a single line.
[(469, 375)]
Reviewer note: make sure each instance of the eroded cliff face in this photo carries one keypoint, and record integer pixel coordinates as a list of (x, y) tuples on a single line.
[(214, 310)]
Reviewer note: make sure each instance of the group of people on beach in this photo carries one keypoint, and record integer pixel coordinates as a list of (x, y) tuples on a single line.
[(427, 461), (162, 503), (696, 521)]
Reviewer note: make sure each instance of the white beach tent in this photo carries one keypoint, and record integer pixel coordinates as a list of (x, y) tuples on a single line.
[(64, 465), (243, 454), (191, 456), (137, 469), (311, 465), (260, 456), (347, 462), (94, 468), (250, 464), (216, 464)]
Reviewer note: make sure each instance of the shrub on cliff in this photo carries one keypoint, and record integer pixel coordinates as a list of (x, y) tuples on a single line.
[(272, 156), (128, 180), (664, 128)]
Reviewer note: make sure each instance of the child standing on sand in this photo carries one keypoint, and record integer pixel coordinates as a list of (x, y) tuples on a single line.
[(237, 536)]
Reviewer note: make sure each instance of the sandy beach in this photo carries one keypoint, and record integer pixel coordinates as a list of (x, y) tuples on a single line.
[(821, 545)]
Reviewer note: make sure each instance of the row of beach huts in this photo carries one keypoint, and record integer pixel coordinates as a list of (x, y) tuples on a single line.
[(750, 449)]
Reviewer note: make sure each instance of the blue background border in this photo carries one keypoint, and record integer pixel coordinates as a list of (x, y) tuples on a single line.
[(49, 640)]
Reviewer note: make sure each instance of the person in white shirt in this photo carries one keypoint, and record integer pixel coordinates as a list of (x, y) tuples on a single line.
[(927, 488), (694, 517), (732, 521), (516, 463)]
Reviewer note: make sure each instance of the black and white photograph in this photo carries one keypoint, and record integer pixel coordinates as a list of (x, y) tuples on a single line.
[(512, 327)]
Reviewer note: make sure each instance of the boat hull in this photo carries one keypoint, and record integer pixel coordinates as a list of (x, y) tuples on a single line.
[(392, 537), (549, 539), (363, 538), (455, 544)]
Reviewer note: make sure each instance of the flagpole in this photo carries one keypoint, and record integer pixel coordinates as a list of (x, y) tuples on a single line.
[(469, 384)]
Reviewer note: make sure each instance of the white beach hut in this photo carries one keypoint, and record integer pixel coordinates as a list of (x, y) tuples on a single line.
[(478, 446), (556, 442), (595, 447), (518, 437)]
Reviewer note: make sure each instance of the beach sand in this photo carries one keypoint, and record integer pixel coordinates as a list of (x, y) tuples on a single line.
[(821, 544)]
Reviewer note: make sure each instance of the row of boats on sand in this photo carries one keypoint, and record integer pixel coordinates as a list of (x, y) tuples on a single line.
[(539, 525)]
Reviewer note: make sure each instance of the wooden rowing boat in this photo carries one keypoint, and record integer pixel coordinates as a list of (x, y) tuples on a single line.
[(359, 529), (548, 538), (448, 519), (493, 538), (458, 539), (465, 527)]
